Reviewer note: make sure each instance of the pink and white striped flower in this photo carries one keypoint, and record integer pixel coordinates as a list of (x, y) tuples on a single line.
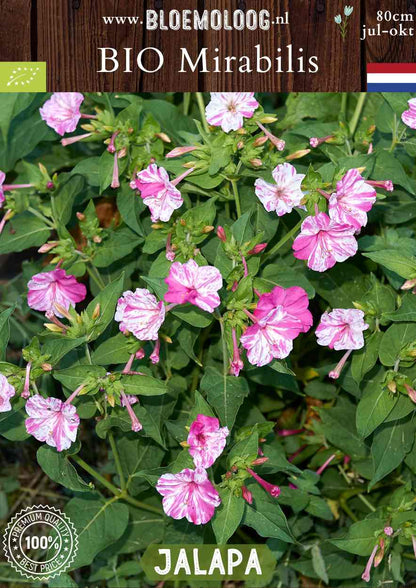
[(279, 318), (352, 200), (342, 328), (61, 111), (158, 191), (189, 494), (323, 242), (193, 283), (229, 109), (7, 391), (55, 287), (52, 421), (409, 116), (206, 440), (285, 194), (140, 313)]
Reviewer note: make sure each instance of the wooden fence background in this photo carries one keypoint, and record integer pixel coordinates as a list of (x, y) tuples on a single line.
[(67, 33)]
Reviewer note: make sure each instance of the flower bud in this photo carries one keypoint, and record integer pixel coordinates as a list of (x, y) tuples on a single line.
[(97, 239), (221, 234), (96, 312), (256, 162), (207, 229), (247, 495), (46, 367), (297, 154), (178, 151), (164, 137), (268, 119), (257, 249), (48, 246), (81, 216), (260, 141)]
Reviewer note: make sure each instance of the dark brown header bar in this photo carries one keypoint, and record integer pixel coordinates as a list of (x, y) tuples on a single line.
[(268, 45)]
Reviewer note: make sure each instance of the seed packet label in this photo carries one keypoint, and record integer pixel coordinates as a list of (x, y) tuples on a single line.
[(22, 76), (254, 563)]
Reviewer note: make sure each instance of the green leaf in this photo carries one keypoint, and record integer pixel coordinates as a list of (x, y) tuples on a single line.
[(130, 206), (22, 232), (373, 409), (266, 517), (11, 105), (64, 198), (394, 340), (58, 347), (113, 350), (143, 385), (388, 167), (98, 522), (74, 376), (403, 265), (318, 563), (119, 243), (225, 394), (361, 537), (363, 360), (142, 529), (391, 443), (107, 300), (338, 425), (228, 516), (5, 331), (193, 315), (58, 468), (407, 311)]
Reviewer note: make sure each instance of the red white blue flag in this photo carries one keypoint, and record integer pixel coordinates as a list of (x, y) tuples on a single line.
[(391, 77)]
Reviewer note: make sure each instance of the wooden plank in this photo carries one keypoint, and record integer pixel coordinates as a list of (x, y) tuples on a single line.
[(385, 48), (15, 30)]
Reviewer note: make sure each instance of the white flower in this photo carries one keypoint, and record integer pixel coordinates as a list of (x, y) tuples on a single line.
[(338, 19), (348, 10)]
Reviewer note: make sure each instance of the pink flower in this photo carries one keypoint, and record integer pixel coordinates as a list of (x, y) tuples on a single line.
[(2, 197), (128, 399), (236, 361), (279, 317), (388, 531), (270, 488), (56, 287), (323, 242), (7, 391), (199, 285), (52, 420), (352, 200), (246, 494), (228, 109), (61, 111), (409, 116), (206, 440), (366, 574), (342, 328), (140, 313), (188, 494), (285, 193), (158, 191)]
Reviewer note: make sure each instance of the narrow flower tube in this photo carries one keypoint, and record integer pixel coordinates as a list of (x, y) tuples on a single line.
[(170, 254), (115, 182), (414, 544), (111, 147), (246, 494), (74, 394), (270, 488), (4, 220), (236, 363), (334, 374), (128, 365), (316, 141), (136, 425), (71, 140), (366, 574), (385, 184), (325, 464), (26, 391), (155, 355), (244, 262), (411, 392), (176, 181), (289, 432), (278, 143), (178, 151)]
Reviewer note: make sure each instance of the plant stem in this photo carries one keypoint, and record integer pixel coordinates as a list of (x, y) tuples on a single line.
[(344, 97), (117, 460), (186, 102), (83, 464), (283, 240), (236, 197), (41, 216), (95, 275), (357, 113), (118, 494), (201, 106)]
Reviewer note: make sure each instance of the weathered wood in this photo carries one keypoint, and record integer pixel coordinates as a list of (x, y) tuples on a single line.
[(67, 34)]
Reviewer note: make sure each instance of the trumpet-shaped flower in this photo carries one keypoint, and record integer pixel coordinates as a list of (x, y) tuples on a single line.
[(285, 194), (52, 421), (409, 116), (158, 192), (189, 494), (7, 391), (56, 287), (61, 111), (206, 440), (352, 200), (140, 313), (229, 109), (342, 328), (323, 242), (190, 282)]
